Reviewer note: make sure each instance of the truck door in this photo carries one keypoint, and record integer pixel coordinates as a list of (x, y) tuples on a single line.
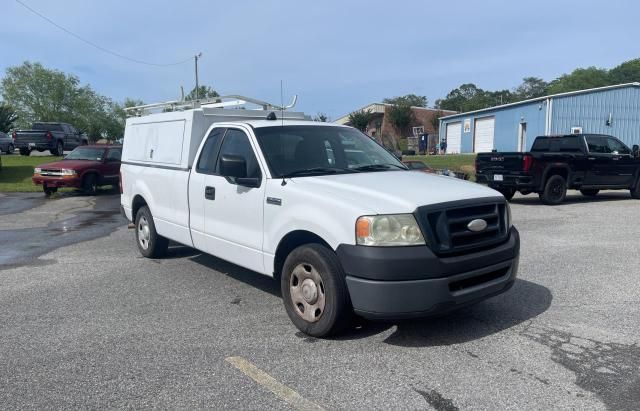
[(111, 173), (623, 165), (233, 214), (600, 162)]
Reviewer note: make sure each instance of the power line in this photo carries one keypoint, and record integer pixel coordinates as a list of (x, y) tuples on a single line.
[(92, 44)]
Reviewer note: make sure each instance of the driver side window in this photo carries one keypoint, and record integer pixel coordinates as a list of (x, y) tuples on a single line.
[(237, 143), (617, 147)]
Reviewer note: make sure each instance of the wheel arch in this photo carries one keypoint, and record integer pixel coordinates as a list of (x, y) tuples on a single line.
[(136, 204), (291, 241), (556, 169)]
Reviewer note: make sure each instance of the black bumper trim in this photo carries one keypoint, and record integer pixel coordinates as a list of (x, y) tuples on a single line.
[(392, 300), (419, 263)]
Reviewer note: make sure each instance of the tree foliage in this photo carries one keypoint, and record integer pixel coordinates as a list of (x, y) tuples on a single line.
[(40, 94), (204, 92), (8, 117), (321, 117), (360, 119), (410, 100), (469, 97)]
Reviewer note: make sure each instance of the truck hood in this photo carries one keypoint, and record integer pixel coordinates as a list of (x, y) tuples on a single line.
[(71, 164), (391, 192)]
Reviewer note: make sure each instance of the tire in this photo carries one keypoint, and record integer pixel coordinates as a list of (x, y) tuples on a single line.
[(25, 152), (150, 243), (635, 190), (48, 191), (591, 192), (11, 149), (59, 150), (323, 307), (90, 184), (508, 193), (555, 190)]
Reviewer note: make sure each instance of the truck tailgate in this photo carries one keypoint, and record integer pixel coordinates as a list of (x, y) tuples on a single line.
[(34, 136), (499, 162)]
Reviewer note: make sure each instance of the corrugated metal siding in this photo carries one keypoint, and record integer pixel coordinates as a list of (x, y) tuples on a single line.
[(591, 111)]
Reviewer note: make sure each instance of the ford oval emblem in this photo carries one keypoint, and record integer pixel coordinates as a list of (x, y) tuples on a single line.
[(477, 225)]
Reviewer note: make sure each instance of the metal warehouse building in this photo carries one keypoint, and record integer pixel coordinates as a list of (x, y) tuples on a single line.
[(613, 110)]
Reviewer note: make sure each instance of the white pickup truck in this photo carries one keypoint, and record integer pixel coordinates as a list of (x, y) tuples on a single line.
[(339, 220)]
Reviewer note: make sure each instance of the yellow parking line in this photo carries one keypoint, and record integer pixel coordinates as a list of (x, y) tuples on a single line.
[(270, 383)]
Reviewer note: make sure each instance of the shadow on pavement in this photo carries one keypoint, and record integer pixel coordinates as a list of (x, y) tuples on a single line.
[(574, 198)]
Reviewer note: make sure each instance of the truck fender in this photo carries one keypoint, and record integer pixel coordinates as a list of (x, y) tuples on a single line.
[(554, 166)]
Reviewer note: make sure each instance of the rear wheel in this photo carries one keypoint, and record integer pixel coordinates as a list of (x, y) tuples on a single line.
[(25, 152), (555, 190), (90, 184), (508, 193), (635, 190), (150, 243), (48, 191), (592, 192), (314, 291), (10, 149), (58, 151)]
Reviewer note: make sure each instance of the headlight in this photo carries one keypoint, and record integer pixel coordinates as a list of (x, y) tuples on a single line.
[(388, 230), (66, 172), (37, 170)]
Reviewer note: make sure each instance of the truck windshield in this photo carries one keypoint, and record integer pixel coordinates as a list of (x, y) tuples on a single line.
[(86, 153), (319, 150)]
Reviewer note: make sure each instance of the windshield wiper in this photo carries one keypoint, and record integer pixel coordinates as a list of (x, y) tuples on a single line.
[(317, 171), (377, 167)]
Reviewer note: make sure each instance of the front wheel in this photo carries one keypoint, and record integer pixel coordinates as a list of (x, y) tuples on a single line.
[(150, 243), (58, 151), (90, 184), (10, 149), (25, 152), (314, 291), (49, 191), (555, 191), (590, 192)]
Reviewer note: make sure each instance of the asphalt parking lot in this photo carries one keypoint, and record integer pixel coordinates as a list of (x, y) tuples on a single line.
[(86, 322)]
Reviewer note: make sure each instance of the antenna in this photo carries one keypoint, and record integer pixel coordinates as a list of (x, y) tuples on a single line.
[(281, 103)]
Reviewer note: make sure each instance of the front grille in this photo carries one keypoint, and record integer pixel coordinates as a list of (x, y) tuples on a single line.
[(50, 172), (471, 282), (446, 225)]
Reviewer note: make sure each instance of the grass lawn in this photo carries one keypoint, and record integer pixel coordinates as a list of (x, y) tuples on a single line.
[(17, 171), (455, 162)]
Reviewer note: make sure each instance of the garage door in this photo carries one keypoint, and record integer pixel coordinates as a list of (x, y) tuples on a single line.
[(483, 135), (454, 134)]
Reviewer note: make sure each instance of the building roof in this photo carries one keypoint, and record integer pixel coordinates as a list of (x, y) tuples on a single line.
[(379, 108), (532, 100)]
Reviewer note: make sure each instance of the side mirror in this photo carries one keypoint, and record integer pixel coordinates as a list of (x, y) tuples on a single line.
[(233, 166), (635, 151)]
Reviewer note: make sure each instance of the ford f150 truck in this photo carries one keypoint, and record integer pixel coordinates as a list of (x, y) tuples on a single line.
[(585, 162), (286, 198), (55, 137)]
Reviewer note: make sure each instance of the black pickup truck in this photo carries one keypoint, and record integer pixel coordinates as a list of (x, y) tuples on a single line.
[(55, 137), (585, 162)]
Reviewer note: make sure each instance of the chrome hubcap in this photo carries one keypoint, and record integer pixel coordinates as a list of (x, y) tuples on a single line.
[(307, 292), (144, 235)]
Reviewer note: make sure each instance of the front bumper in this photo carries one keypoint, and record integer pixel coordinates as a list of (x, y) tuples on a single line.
[(72, 181), (408, 282)]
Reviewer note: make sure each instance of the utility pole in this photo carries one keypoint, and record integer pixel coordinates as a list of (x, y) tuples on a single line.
[(196, 57)]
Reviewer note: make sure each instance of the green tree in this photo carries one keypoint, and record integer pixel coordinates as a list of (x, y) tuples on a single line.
[(531, 87), (401, 116), (360, 119), (41, 94), (627, 72), (204, 92), (8, 117), (580, 79), (410, 99)]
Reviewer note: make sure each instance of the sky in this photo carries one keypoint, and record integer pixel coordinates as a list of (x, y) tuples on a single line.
[(337, 56)]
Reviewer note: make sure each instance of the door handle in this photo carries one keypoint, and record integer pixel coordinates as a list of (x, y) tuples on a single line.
[(210, 193)]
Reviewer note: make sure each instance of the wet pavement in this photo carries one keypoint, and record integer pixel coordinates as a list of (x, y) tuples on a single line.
[(32, 225)]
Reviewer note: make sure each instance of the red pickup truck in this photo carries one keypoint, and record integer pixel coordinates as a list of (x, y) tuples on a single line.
[(86, 168)]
